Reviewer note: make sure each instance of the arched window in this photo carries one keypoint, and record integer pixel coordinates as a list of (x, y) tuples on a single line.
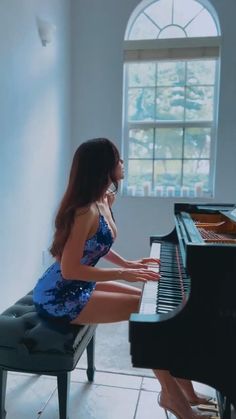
[(171, 77)]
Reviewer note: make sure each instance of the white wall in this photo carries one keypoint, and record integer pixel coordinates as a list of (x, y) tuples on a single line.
[(35, 137), (98, 33)]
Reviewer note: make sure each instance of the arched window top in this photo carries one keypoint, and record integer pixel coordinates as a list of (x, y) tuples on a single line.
[(165, 19)]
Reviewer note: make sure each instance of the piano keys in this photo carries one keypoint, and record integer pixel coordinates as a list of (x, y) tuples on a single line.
[(187, 320), (172, 288)]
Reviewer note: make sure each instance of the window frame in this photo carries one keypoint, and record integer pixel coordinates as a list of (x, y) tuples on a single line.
[(166, 50)]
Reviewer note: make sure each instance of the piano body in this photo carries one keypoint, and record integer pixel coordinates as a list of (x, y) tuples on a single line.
[(187, 321)]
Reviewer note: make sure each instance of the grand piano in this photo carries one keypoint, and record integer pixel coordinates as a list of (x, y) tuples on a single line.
[(187, 320)]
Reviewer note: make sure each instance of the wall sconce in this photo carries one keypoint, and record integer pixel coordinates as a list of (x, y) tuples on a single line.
[(45, 30)]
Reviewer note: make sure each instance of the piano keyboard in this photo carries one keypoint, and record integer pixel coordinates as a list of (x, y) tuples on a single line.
[(172, 288)]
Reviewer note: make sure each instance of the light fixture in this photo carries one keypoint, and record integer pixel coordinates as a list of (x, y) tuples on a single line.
[(45, 30)]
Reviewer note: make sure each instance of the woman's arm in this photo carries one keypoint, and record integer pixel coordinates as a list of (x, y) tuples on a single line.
[(115, 258), (85, 225)]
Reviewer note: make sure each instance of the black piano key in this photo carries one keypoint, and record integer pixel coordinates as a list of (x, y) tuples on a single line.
[(170, 293), (174, 284)]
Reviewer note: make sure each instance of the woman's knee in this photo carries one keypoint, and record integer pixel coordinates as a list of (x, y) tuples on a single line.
[(135, 301)]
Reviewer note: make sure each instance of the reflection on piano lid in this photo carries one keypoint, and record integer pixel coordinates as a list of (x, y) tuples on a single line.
[(187, 321), (230, 214)]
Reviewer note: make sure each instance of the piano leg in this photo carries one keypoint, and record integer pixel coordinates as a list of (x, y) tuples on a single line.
[(224, 406), (227, 411)]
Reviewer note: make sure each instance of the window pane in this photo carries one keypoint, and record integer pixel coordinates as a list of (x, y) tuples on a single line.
[(199, 103), (141, 104), (197, 142), (161, 12), (141, 143), (171, 73), (196, 174), (202, 25), (143, 28), (169, 143), (172, 32), (167, 172), (142, 74), (185, 10), (170, 103), (201, 72), (139, 177)]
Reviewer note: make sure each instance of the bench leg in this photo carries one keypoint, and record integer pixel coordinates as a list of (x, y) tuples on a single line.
[(90, 359), (63, 388), (3, 385)]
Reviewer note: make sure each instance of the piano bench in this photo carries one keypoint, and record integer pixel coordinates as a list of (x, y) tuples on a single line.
[(30, 344)]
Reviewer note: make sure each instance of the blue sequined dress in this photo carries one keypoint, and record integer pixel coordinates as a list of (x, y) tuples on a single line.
[(59, 298)]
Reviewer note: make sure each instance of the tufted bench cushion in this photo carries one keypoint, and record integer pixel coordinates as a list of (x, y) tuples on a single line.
[(31, 344)]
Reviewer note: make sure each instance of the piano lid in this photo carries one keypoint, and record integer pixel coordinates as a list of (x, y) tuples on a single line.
[(230, 214), (215, 207), (203, 207), (207, 224), (228, 210)]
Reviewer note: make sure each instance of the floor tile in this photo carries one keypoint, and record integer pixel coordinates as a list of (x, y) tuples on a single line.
[(27, 395), (112, 350), (148, 407), (151, 384), (91, 401), (108, 379)]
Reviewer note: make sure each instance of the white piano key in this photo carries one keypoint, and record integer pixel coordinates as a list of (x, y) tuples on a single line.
[(155, 250), (150, 288)]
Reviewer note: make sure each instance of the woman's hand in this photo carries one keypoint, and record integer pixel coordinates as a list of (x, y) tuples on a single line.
[(143, 263), (135, 275)]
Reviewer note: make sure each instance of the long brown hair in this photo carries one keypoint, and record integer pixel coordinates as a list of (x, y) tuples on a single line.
[(91, 172)]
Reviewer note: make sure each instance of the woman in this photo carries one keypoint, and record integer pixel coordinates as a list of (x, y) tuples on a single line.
[(73, 289)]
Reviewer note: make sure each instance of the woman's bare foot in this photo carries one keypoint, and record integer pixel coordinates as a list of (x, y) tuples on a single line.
[(192, 396), (180, 408), (202, 399)]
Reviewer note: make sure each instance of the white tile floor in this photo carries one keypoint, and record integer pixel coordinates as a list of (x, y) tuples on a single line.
[(110, 396), (119, 391)]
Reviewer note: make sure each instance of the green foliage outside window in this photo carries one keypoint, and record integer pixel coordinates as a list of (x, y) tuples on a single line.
[(171, 152)]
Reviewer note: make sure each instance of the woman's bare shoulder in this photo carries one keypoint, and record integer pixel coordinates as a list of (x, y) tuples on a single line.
[(86, 220), (86, 212)]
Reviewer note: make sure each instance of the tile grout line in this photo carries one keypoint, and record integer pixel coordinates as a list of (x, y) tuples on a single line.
[(46, 404), (54, 377), (139, 395), (116, 386), (118, 373)]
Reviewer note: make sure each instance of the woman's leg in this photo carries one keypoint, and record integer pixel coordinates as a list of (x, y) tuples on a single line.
[(115, 286), (193, 397), (173, 398), (108, 307)]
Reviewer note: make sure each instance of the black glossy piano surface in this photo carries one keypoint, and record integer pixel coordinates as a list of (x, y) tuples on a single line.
[(191, 328)]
